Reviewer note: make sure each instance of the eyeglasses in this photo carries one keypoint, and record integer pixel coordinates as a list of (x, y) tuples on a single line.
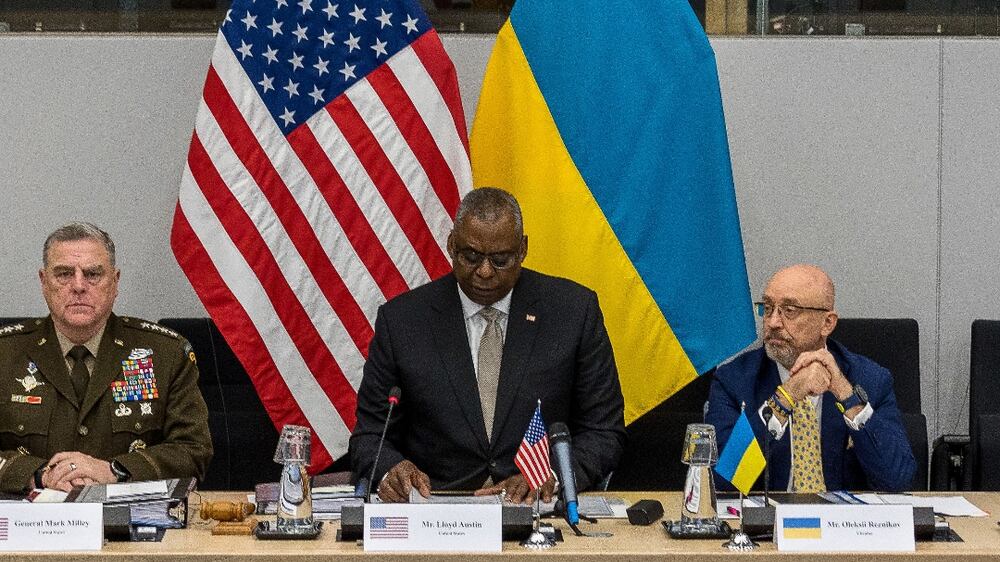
[(499, 260), (785, 311)]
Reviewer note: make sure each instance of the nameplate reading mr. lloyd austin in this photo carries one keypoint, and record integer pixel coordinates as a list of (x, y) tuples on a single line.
[(433, 527), (51, 526)]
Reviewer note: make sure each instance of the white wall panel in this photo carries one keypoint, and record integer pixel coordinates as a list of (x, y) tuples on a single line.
[(836, 144)]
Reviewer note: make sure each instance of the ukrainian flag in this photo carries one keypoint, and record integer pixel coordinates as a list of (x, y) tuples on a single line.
[(741, 460), (801, 528), (605, 120)]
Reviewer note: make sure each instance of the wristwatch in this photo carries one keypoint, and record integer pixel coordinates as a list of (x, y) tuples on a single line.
[(857, 398), (120, 472)]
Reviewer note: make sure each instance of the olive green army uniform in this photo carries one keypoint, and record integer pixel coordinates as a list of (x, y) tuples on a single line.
[(142, 406)]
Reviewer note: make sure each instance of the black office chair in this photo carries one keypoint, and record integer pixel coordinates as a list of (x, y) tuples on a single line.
[(984, 407), (243, 435), (894, 343), (985, 457), (652, 456)]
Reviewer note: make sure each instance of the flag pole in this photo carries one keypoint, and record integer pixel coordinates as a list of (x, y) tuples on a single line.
[(538, 540), (740, 541)]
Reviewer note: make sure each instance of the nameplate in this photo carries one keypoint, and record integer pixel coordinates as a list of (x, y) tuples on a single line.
[(844, 528), (432, 527), (51, 527)]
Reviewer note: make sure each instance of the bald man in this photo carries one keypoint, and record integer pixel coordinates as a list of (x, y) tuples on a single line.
[(831, 414)]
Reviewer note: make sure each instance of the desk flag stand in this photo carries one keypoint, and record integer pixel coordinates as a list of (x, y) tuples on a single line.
[(740, 541), (537, 540), (532, 460)]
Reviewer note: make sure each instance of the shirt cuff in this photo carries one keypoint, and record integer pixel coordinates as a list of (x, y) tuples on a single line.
[(861, 419)]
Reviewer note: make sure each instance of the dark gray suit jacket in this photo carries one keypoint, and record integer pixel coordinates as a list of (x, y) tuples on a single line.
[(556, 349)]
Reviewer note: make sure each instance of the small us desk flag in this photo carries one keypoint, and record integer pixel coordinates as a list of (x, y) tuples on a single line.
[(741, 460), (328, 158), (533, 455)]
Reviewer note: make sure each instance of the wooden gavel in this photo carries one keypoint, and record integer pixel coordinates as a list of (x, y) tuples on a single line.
[(226, 510)]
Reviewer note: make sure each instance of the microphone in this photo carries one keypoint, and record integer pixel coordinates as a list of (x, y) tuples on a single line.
[(759, 521), (560, 441), (767, 414), (394, 393)]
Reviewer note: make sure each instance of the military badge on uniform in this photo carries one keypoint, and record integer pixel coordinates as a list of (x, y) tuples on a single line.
[(29, 382), (139, 383), (22, 399), (190, 351), (137, 445), (123, 411), (146, 408), (140, 353), (32, 368)]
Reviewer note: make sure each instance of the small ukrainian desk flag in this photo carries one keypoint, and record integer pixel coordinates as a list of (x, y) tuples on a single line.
[(741, 460)]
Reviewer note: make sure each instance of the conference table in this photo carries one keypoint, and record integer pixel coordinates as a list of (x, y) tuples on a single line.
[(981, 542)]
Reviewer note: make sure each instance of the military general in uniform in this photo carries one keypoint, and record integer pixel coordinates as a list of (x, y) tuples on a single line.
[(90, 397)]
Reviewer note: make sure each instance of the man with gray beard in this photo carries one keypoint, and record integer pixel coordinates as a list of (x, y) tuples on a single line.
[(846, 432)]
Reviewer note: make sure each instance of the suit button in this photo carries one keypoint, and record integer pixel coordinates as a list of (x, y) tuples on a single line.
[(20, 427), (82, 430)]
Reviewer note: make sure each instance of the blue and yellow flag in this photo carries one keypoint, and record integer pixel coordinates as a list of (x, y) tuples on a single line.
[(741, 460), (605, 120)]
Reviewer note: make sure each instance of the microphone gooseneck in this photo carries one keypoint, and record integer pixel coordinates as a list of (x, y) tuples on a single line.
[(393, 399), (767, 414)]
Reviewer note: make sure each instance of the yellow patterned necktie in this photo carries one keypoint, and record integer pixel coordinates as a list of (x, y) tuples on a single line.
[(807, 460)]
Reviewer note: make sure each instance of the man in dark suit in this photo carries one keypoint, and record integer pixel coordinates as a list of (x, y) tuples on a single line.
[(846, 432), (488, 333)]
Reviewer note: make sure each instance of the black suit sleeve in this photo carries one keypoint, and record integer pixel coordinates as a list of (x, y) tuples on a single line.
[(597, 423)]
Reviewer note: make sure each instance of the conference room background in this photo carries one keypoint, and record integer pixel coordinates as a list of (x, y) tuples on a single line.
[(875, 158)]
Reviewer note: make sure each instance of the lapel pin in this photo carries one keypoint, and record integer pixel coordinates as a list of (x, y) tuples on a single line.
[(119, 343), (529, 317), (41, 341)]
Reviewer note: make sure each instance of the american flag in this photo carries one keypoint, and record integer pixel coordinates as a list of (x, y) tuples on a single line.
[(328, 158), (533, 455), (389, 527)]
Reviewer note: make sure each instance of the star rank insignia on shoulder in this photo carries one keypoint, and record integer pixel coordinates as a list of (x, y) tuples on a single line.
[(11, 329), (150, 327), (24, 327)]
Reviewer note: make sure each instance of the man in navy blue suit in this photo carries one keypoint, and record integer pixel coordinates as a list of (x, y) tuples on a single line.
[(831, 414)]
